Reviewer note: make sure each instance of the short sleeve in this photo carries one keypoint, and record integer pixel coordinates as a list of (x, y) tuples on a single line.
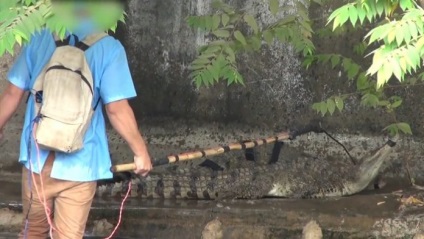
[(116, 82), (20, 73)]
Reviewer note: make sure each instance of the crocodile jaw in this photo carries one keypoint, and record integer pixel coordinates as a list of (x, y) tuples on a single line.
[(368, 170)]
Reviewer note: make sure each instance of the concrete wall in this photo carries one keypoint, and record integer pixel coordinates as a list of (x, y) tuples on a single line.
[(162, 46), (278, 91), (174, 115)]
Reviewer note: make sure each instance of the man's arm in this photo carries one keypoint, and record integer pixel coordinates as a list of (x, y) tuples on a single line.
[(9, 102), (122, 118)]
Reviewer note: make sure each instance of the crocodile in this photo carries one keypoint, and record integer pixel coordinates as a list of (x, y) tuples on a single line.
[(300, 177)]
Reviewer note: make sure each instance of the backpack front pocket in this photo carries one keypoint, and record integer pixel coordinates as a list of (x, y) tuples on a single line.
[(70, 87)]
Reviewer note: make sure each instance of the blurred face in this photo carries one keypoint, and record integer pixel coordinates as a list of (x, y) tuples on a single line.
[(81, 10), (96, 14)]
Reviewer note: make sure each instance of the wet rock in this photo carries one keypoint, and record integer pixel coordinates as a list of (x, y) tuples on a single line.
[(405, 226), (9, 218), (419, 236), (248, 233), (312, 231), (102, 227), (213, 230)]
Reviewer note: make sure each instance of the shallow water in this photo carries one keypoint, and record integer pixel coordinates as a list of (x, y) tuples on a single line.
[(349, 217)]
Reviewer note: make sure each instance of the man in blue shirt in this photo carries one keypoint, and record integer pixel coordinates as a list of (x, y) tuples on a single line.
[(66, 183)]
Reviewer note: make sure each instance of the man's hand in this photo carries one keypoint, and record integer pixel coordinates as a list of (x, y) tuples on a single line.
[(143, 164), (122, 119)]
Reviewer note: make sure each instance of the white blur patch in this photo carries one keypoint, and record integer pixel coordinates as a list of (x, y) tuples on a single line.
[(278, 190)]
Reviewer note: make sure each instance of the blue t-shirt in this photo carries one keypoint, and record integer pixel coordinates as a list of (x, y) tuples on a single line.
[(113, 82)]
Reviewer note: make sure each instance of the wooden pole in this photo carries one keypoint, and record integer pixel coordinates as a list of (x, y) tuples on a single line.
[(207, 152)]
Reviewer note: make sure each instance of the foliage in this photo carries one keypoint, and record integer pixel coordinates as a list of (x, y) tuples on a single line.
[(395, 40), (400, 36), (19, 19), (231, 32)]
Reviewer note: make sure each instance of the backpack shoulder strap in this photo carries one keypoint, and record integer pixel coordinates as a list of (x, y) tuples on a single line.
[(90, 40), (59, 42), (93, 38)]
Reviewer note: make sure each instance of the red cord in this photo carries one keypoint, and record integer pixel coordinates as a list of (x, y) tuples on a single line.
[(43, 200), (47, 210), (121, 210)]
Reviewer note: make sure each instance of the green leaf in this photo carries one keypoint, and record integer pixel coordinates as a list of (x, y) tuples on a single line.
[(307, 62), (342, 17), (370, 100), (268, 37), (198, 81), (331, 106), (216, 22), (361, 14), (239, 36), (383, 103), (405, 4), (396, 104), (255, 42), (286, 20), (201, 61), (413, 31), (352, 71), (208, 24), (393, 129), (339, 103), (405, 128), (214, 70), (221, 33), (323, 108), (316, 107), (251, 21), (231, 56), (196, 67), (335, 60), (379, 7), (211, 49), (274, 6), (225, 19), (320, 107), (353, 15), (18, 39), (396, 68), (207, 77)]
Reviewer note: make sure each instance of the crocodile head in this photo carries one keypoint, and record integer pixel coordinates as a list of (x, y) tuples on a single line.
[(317, 178), (368, 169)]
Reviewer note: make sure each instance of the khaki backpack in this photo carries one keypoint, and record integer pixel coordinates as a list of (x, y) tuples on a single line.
[(64, 93)]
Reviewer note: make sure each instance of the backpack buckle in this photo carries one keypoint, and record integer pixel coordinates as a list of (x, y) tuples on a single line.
[(39, 97)]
